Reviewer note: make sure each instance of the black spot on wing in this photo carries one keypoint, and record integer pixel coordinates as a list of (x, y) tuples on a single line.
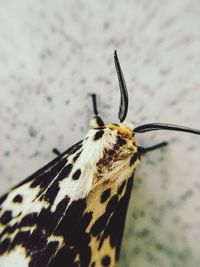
[(106, 260), (6, 217), (98, 135), (76, 175), (134, 158), (105, 195), (77, 155), (18, 199)]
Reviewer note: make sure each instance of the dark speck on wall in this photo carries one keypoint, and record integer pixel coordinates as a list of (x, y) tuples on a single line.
[(32, 131), (49, 98), (7, 153)]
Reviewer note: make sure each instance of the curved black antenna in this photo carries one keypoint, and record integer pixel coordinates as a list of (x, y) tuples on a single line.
[(164, 126), (94, 102), (123, 108)]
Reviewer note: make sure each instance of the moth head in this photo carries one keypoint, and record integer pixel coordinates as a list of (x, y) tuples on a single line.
[(114, 150), (123, 109)]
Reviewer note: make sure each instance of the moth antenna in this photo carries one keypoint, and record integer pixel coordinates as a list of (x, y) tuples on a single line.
[(96, 121), (164, 126), (123, 108), (94, 102)]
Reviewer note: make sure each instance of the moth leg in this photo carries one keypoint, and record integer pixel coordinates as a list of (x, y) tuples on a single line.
[(96, 121), (56, 152), (143, 150)]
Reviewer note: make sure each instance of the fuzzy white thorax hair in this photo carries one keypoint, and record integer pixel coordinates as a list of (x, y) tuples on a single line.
[(92, 152)]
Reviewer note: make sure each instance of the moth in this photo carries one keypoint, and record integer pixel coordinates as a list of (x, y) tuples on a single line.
[(71, 212)]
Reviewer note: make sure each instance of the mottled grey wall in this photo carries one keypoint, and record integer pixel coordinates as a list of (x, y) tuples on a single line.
[(54, 53)]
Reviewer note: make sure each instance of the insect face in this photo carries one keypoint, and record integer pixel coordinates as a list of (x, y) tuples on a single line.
[(118, 149)]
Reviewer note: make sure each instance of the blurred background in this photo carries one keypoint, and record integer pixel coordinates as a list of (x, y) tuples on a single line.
[(54, 53)]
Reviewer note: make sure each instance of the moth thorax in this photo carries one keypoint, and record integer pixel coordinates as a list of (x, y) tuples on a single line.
[(118, 160)]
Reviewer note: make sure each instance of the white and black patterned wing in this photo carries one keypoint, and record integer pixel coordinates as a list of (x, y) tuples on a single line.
[(31, 211), (71, 213)]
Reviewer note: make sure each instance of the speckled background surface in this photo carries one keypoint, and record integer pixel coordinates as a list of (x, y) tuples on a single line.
[(54, 53)]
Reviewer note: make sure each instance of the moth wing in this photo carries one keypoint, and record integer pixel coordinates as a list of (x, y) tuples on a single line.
[(25, 209), (108, 222)]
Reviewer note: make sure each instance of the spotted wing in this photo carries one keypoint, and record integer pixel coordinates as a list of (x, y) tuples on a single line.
[(28, 218), (108, 205)]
